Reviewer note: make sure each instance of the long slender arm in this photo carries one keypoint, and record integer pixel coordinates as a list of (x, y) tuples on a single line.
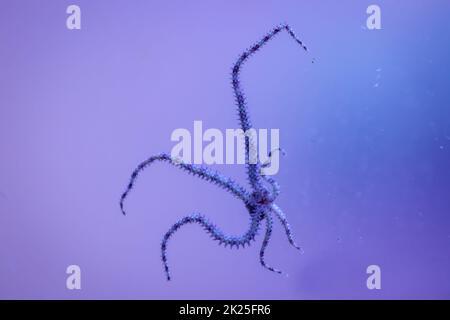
[(279, 213), (253, 169), (199, 171), (213, 231), (267, 236)]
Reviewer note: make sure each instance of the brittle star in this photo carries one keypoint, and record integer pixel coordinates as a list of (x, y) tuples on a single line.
[(259, 202)]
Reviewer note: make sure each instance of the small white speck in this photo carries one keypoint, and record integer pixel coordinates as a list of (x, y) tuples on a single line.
[(441, 147)]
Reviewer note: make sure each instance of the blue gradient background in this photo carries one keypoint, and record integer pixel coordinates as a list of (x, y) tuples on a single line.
[(366, 179)]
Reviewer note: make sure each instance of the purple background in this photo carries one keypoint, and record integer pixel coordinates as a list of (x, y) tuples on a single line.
[(366, 179)]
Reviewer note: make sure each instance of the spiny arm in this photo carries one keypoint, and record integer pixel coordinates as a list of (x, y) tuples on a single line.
[(212, 230), (199, 171), (279, 213), (267, 236), (244, 118)]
